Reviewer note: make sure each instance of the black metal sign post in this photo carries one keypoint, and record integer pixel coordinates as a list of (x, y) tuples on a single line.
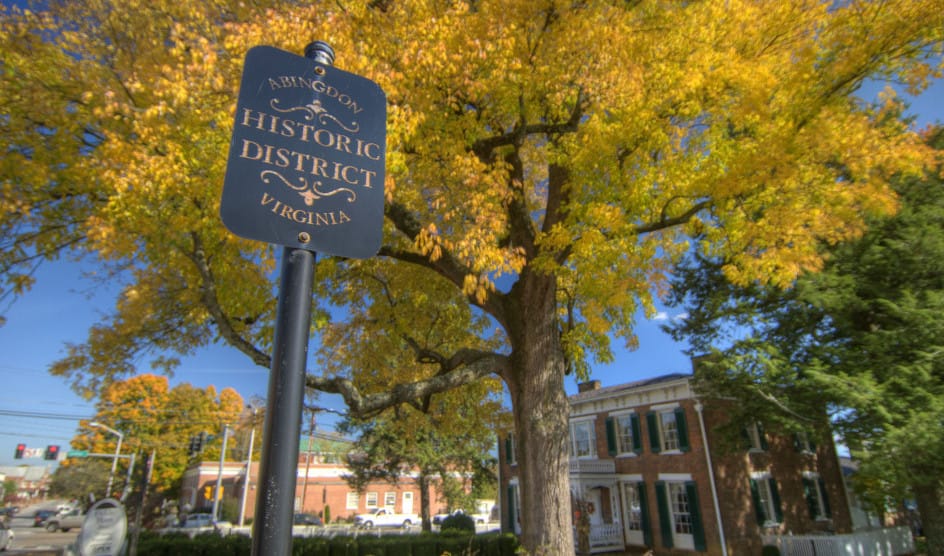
[(305, 170)]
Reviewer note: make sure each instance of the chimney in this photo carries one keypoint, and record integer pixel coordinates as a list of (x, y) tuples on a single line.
[(588, 386)]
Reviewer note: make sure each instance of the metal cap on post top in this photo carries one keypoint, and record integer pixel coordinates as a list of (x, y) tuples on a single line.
[(320, 52)]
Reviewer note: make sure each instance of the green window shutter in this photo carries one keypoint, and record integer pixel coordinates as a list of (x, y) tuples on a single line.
[(759, 510), (822, 491), (775, 496), (797, 442), (655, 442), (508, 457), (611, 436), (682, 429), (665, 519), (511, 509), (637, 433), (698, 528), (763, 437), (746, 437), (646, 518), (809, 492)]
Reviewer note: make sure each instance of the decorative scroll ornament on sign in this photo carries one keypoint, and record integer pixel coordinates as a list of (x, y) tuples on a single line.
[(310, 192)]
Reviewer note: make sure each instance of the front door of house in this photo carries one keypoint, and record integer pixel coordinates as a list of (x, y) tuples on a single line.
[(407, 503)]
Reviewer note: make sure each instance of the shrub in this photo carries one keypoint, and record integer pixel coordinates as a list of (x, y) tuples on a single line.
[(327, 515), (458, 522)]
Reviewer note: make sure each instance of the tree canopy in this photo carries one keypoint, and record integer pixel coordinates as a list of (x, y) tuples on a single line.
[(547, 161), (860, 342), (152, 416)]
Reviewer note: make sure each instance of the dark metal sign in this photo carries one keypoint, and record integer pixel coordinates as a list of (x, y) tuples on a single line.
[(306, 160)]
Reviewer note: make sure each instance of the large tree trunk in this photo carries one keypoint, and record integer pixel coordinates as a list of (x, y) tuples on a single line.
[(536, 386), (931, 510), (424, 501)]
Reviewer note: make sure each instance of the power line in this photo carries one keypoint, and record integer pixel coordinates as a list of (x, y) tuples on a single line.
[(44, 415)]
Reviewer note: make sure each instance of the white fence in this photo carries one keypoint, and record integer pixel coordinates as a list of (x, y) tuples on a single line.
[(893, 541)]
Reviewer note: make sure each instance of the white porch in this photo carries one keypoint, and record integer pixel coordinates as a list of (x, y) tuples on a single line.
[(594, 482)]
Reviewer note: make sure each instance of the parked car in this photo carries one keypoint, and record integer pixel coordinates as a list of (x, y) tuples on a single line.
[(478, 518), (40, 517), (72, 519), (306, 519), (6, 536), (195, 521)]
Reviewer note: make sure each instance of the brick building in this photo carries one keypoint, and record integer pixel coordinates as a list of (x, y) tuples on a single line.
[(320, 484), (646, 471)]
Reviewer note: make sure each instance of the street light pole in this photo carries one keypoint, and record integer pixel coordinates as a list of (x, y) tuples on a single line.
[(114, 460)]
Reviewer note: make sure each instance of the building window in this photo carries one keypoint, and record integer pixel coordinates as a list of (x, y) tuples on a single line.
[(756, 439), (390, 500), (766, 497), (802, 443), (514, 505), (668, 431), (814, 488), (510, 449), (353, 501), (371, 499), (635, 508), (681, 511), (583, 441), (679, 515), (623, 435)]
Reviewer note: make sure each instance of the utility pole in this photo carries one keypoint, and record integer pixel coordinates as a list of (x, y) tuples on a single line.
[(145, 481), (242, 504), (311, 438), (219, 475)]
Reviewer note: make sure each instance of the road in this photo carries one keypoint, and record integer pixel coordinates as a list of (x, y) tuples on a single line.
[(36, 540)]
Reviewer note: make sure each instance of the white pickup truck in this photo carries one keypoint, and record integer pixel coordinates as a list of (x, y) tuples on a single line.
[(382, 517)]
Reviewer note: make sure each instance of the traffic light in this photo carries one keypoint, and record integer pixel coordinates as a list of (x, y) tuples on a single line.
[(193, 446), (52, 452), (20, 448), (208, 492)]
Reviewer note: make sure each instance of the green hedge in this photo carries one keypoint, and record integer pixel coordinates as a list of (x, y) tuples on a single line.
[(424, 544)]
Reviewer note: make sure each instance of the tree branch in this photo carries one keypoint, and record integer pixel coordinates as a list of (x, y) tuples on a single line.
[(465, 367), (665, 222), (212, 304)]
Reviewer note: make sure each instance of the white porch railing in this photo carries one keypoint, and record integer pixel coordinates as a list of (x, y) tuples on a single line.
[(605, 537), (893, 541)]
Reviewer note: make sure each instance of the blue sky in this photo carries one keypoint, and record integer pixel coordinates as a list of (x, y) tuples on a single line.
[(38, 409)]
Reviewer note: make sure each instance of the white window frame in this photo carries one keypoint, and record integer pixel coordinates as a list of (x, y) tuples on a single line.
[(683, 527), (803, 442), (754, 437), (515, 502), (510, 456), (624, 445), (633, 512), (371, 500), (390, 500), (668, 435), (353, 500), (820, 505), (588, 426), (762, 480)]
